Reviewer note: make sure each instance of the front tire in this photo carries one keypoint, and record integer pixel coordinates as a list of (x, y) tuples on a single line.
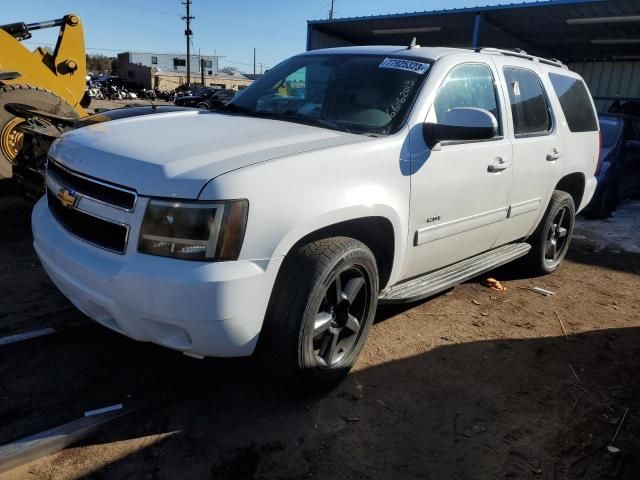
[(550, 242), (320, 313)]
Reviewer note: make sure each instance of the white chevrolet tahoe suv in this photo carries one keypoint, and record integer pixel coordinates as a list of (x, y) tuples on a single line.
[(340, 179)]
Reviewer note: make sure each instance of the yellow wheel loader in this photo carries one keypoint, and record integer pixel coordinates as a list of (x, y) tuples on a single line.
[(52, 82)]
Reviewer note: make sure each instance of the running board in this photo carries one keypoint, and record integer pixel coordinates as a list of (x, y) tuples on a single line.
[(440, 280)]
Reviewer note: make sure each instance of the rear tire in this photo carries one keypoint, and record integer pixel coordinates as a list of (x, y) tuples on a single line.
[(550, 242), (10, 137), (320, 313)]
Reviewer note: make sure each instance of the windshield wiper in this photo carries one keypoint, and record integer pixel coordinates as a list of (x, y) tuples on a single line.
[(334, 125), (288, 115), (317, 121), (232, 107)]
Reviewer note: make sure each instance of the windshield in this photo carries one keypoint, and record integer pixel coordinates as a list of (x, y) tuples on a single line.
[(610, 130), (357, 93)]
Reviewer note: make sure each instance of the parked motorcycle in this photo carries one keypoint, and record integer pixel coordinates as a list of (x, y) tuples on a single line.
[(95, 92), (148, 94)]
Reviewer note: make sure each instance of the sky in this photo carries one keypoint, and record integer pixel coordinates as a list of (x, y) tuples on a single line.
[(231, 28)]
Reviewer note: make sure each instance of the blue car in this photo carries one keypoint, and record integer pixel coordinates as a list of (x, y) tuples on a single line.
[(619, 171)]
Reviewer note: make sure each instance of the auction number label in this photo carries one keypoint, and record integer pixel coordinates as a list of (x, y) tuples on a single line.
[(407, 65)]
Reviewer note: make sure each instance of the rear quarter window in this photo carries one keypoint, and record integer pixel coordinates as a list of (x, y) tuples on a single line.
[(529, 108), (575, 102)]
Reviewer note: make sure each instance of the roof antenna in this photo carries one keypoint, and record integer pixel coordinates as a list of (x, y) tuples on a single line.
[(413, 44)]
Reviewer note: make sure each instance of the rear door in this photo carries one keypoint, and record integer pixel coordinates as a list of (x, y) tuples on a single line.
[(537, 148)]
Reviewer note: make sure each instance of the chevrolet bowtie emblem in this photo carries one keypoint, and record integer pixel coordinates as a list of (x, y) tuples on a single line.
[(67, 197)]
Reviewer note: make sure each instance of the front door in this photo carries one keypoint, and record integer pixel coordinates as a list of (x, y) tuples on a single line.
[(459, 191)]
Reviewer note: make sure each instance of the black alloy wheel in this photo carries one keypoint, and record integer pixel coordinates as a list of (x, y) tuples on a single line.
[(338, 324), (557, 236), (320, 313), (550, 241)]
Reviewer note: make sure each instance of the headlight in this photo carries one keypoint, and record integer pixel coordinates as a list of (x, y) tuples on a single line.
[(194, 230)]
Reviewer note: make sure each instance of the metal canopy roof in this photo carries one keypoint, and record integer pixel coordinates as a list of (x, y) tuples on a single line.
[(570, 30)]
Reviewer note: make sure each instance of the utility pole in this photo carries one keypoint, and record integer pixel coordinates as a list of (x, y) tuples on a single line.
[(202, 70), (254, 60), (188, 34), (331, 11)]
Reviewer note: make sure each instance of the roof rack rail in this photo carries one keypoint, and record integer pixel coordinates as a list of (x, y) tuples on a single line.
[(521, 54)]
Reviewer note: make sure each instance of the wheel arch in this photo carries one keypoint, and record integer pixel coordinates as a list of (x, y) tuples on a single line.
[(375, 231), (574, 184)]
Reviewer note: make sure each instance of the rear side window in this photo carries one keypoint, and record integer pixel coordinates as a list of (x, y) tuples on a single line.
[(575, 103), (529, 106)]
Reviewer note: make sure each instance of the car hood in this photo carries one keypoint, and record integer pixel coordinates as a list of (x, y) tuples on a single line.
[(176, 154)]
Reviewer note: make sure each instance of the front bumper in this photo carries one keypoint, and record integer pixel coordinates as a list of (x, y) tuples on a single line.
[(208, 309)]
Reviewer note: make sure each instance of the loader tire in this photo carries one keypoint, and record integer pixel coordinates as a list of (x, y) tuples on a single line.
[(10, 137)]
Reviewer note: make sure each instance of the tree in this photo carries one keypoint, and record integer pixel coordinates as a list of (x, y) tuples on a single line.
[(97, 63), (229, 70)]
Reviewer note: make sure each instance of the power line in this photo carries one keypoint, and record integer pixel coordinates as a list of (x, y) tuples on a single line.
[(238, 63), (121, 50)]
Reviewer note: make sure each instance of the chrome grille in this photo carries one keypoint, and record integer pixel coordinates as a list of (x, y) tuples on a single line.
[(98, 231), (98, 190)]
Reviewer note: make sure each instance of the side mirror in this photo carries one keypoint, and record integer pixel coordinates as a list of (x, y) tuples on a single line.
[(461, 124)]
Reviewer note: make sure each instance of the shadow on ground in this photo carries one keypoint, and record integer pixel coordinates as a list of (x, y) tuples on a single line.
[(487, 409), (484, 409)]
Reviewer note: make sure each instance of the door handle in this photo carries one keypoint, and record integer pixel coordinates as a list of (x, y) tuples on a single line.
[(498, 165), (553, 155)]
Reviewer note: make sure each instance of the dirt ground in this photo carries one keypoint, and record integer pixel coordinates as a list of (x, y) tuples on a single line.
[(472, 384)]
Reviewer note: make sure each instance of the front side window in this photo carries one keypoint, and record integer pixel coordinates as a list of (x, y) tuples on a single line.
[(357, 93), (467, 86), (575, 102), (529, 108)]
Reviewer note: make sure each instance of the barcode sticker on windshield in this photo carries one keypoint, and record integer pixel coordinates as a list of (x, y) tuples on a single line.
[(402, 64)]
